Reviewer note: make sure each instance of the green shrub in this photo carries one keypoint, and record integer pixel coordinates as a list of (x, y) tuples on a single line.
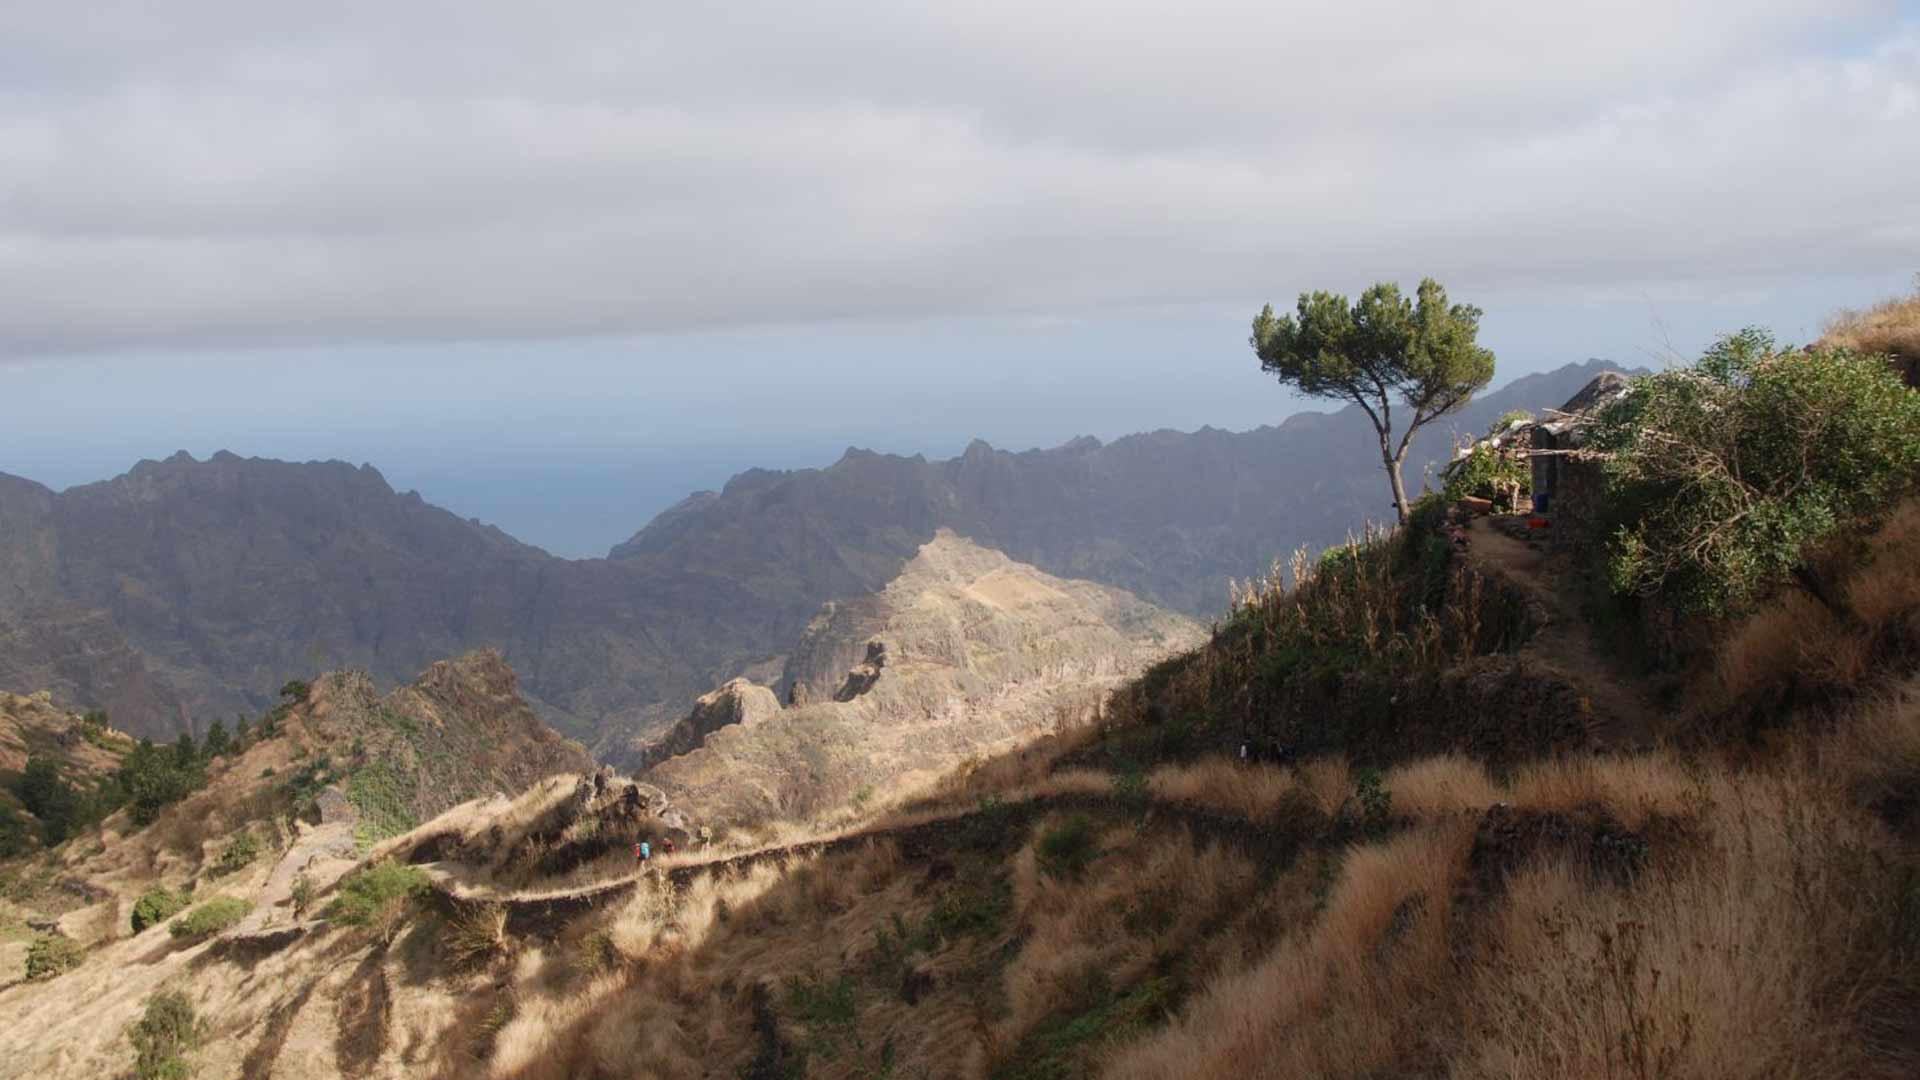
[(1376, 802), (382, 795), (1487, 473), (295, 690), (302, 894), (157, 906), (164, 1035), (1065, 849), (237, 855), (217, 914), (51, 955), (377, 897), (1722, 474)]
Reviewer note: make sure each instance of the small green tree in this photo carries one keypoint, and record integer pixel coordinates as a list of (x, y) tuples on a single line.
[(1377, 351), (48, 796), (1721, 474), (186, 753), (150, 778), (218, 744), (242, 731), (164, 1036), (295, 690)]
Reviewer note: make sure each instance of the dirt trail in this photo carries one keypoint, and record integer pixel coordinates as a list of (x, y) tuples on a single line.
[(1622, 716), (545, 913)]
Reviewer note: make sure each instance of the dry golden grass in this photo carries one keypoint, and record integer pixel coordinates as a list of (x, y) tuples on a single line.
[(1772, 949), (1878, 753), (1358, 993), (1254, 792), (1436, 786), (1632, 789), (1891, 326)]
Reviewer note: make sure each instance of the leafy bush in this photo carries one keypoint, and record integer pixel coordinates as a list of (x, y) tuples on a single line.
[(1722, 474), (164, 1035), (237, 855), (1066, 849), (377, 897), (217, 914), (295, 690), (51, 955), (157, 906)]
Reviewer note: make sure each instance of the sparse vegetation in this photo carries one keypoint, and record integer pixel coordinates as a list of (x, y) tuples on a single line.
[(302, 893), (52, 955), (1066, 848), (156, 906), (237, 855), (211, 917), (381, 794), (377, 898), (475, 935)]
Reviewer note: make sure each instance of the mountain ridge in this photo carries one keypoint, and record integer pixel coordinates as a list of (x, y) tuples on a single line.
[(211, 582)]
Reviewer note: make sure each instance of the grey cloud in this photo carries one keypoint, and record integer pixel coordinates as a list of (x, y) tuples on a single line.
[(234, 172)]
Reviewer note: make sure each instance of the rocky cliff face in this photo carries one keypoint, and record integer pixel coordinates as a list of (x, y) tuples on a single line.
[(739, 703), (965, 652), (187, 590)]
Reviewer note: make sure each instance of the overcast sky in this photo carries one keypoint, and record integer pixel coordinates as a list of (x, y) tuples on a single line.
[(555, 264)]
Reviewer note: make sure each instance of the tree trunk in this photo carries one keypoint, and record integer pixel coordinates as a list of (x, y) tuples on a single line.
[(1399, 486)]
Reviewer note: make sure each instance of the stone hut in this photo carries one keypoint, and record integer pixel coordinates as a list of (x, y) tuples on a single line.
[(1564, 484)]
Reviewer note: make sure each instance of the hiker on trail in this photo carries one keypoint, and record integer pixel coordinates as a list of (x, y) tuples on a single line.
[(667, 846), (706, 836), (642, 851)]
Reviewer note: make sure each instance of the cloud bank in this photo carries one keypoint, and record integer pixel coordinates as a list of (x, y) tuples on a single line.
[(219, 173)]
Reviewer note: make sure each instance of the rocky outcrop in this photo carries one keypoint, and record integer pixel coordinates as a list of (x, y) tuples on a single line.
[(459, 731), (965, 652), (739, 702)]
